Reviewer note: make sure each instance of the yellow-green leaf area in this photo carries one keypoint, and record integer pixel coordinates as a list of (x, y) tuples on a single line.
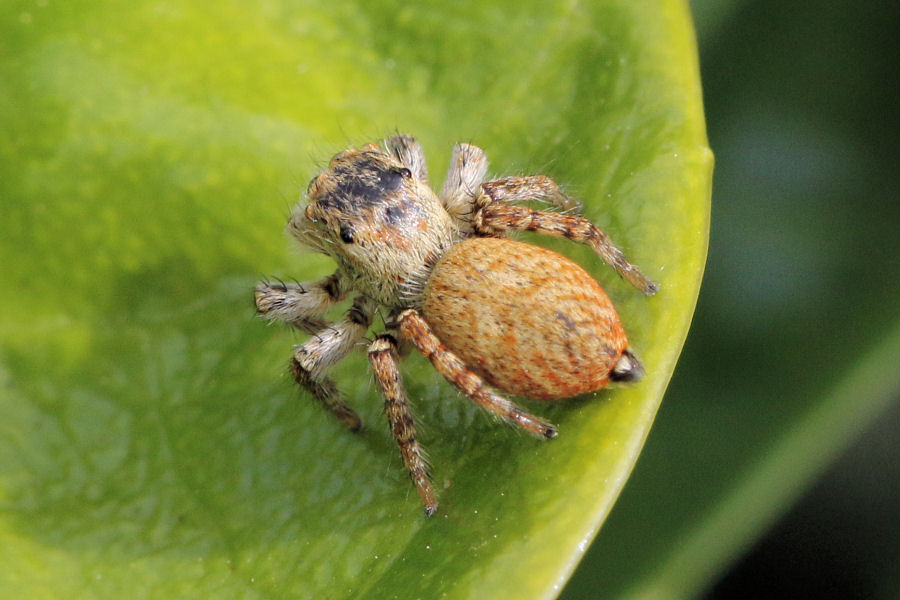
[(152, 444)]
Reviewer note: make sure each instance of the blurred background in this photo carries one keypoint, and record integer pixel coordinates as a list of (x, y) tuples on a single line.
[(802, 289)]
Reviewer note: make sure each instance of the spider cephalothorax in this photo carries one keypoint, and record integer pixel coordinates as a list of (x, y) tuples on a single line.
[(485, 310), (382, 224)]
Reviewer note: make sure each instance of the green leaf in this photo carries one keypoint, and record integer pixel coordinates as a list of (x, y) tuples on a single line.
[(152, 443)]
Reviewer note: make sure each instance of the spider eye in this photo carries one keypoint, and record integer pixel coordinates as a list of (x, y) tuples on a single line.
[(405, 173), (346, 235)]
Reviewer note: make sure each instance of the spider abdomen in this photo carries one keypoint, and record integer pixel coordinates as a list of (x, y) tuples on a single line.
[(528, 320)]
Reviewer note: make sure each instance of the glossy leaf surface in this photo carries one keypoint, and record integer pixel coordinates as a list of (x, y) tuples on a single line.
[(152, 443)]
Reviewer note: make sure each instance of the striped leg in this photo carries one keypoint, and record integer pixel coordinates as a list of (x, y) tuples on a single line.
[(495, 218), (509, 190), (415, 329), (383, 357), (300, 304), (325, 348)]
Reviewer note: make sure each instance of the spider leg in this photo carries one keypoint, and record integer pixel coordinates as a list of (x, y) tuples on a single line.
[(383, 358), (468, 167), (510, 190), (494, 218), (300, 304), (328, 346), (410, 153), (413, 327)]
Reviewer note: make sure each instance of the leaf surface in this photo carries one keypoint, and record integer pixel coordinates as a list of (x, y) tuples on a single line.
[(152, 443)]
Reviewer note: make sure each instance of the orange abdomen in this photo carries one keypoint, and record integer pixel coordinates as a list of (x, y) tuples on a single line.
[(528, 320)]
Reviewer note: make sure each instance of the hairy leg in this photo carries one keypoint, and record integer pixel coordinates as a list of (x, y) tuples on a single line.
[(300, 304), (511, 190), (324, 349), (383, 358), (413, 327), (468, 167), (409, 152), (497, 218)]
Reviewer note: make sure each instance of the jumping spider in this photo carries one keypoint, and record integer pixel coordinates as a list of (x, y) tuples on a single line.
[(487, 311)]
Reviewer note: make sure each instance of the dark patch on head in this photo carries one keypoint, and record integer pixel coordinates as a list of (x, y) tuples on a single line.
[(337, 201), (365, 181), (393, 214)]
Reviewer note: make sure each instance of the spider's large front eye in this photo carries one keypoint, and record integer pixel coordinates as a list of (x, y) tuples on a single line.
[(346, 235)]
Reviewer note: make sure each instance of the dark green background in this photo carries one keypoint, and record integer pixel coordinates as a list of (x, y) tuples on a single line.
[(803, 277)]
